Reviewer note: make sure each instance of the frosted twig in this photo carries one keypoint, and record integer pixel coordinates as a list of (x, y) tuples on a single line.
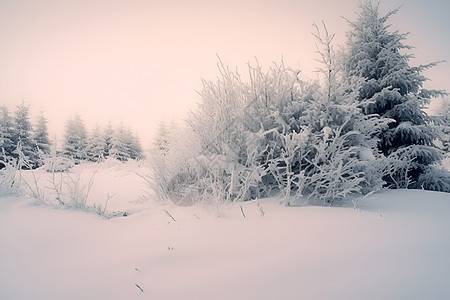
[(137, 285), (165, 210), (242, 210)]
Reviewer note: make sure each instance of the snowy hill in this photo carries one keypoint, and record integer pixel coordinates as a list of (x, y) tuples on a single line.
[(393, 245)]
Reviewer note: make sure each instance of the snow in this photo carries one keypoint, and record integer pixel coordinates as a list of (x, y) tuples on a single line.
[(392, 245), (446, 161)]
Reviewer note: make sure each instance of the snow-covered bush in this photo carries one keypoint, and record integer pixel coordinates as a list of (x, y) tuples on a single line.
[(172, 165), (9, 169), (357, 129), (272, 134), (342, 157)]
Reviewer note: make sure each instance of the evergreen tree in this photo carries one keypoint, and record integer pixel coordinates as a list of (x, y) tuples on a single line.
[(119, 148), (377, 69), (133, 144), (7, 145), (75, 139), (41, 135), (161, 142), (95, 149), (108, 136), (23, 136)]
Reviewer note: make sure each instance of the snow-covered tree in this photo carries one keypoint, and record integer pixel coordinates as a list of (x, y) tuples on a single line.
[(40, 135), (95, 148), (133, 144), (7, 145), (119, 148), (376, 68), (339, 142), (75, 139), (161, 142), (23, 136), (108, 136)]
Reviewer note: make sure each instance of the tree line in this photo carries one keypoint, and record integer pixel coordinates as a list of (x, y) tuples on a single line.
[(19, 138), (360, 128)]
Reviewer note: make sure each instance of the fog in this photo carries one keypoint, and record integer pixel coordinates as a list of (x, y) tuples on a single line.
[(141, 62)]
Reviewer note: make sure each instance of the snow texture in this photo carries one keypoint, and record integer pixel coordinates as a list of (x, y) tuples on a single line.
[(391, 245)]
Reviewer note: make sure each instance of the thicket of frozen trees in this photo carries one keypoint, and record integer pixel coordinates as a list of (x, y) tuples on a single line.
[(121, 144), (27, 146), (19, 141), (359, 128)]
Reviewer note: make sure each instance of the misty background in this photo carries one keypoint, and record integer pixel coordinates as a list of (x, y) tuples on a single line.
[(141, 62)]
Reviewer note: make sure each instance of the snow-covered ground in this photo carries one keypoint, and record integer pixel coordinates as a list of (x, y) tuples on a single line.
[(393, 245)]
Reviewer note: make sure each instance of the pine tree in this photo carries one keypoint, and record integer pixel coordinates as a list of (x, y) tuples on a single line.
[(95, 148), (161, 142), (7, 145), (75, 139), (23, 136), (108, 136), (134, 145), (119, 148), (377, 69), (41, 135)]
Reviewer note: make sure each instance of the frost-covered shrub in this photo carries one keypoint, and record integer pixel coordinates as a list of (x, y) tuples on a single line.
[(272, 134), (171, 164), (9, 182), (357, 129)]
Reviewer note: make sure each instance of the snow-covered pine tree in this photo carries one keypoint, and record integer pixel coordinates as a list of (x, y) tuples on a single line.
[(95, 148), (108, 136), (23, 136), (161, 141), (119, 148), (376, 67), (133, 144), (40, 136), (75, 139), (7, 145)]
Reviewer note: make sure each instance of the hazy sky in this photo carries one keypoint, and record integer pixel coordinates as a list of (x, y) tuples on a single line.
[(141, 62)]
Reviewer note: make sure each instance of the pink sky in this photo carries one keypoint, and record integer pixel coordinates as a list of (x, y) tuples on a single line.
[(141, 62)]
